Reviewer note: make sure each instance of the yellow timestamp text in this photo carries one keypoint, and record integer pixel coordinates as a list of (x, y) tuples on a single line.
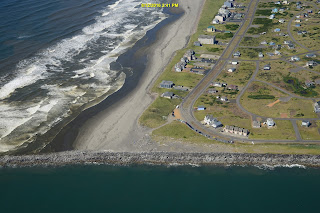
[(159, 5)]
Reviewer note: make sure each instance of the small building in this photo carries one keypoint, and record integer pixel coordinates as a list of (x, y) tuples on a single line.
[(197, 44), (264, 42), (275, 10), (309, 83), (267, 67), (272, 16), (260, 55), (232, 69), (224, 99), (211, 29), (228, 4), (291, 46), (295, 58), (285, 2), (180, 66), (205, 39), (281, 21), (299, 32), (256, 124), (270, 122), (218, 84), (212, 91), (168, 95), (277, 30), (317, 81), (297, 21), (215, 21), (237, 54), (309, 11), (166, 84), (305, 123), (220, 18), (232, 87), (270, 54), (200, 108), (297, 25), (272, 43)]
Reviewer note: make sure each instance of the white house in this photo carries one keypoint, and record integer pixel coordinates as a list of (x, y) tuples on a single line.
[(220, 18), (295, 58), (270, 122), (210, 120), (232, 69), (234, 62), (281, 20)]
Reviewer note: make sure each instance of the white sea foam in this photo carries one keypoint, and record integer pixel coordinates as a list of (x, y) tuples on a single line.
[(64, 86)]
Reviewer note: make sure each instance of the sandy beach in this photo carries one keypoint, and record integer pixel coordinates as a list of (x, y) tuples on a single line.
[(117, 128)]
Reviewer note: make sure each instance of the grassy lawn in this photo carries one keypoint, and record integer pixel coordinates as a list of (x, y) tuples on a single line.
[(177, 131), (292, 109), (311, 132), (156, 114), (282, 131), (240, 77)]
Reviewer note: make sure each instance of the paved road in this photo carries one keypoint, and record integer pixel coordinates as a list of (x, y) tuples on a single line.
[(187, 104)]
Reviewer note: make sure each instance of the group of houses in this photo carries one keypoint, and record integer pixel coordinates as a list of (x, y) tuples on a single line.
[(236, 130), (188, 56), (211, 121)]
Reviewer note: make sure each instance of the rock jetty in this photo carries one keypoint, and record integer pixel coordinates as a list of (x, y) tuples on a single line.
[(156, 158)]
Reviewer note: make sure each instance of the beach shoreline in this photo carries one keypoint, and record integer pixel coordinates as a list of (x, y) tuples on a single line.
[(116, 128)]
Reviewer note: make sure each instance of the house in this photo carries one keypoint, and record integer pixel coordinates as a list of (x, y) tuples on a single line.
[(304, 32), (272, 16), (180, 66), (295, 58), (263, 42), (285, 2), (276, 30), (299, 32), (298, 25), (277, 47), (166, 84), (211, 29), (234, 62), (236, 130), (224, 99), (168, 95), (297, 20), (224, 12), (220, 18), (228, 4), (276, 52), (305, 123), (311, 63), (309, 83), (277, 2), (311, 55), (237, 54), (232, 69), (309, 11), (228, 129), (184, 59), (272, 43), (212, 91), (270, 54), (270, 122), (215, 21), (291, 46), (267, 67), (281, 10), (256, 124), (317, 107), (200, 108), (210, 120), (190, 55), (281, 21), (261, 55), (197, 44), (206, 39), (274, 10), (232, 87), (245, 132)]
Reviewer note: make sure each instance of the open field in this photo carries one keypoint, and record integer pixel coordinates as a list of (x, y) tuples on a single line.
[(294, 108), (282, 131), (311, 132)]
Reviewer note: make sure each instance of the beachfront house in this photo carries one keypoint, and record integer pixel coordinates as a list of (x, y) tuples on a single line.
[(168, 95), (270, 122), (228, 4), (180, 66), (166, 84), (305, 123), (206, 39), (211, 29), (210, 120)]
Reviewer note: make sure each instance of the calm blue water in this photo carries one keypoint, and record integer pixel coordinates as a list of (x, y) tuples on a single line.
[(159, 189), (55, 59)]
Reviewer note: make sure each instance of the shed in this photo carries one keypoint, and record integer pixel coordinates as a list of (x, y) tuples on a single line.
[(211, 28), (277, 30), (199, 108)]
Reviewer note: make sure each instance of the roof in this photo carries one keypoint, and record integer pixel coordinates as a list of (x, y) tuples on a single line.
[(207, 36), (168, 94), (212, 27), (166, 82)]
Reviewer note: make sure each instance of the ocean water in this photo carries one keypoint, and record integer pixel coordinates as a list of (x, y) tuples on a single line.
[(159, 189), (55, 59)]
